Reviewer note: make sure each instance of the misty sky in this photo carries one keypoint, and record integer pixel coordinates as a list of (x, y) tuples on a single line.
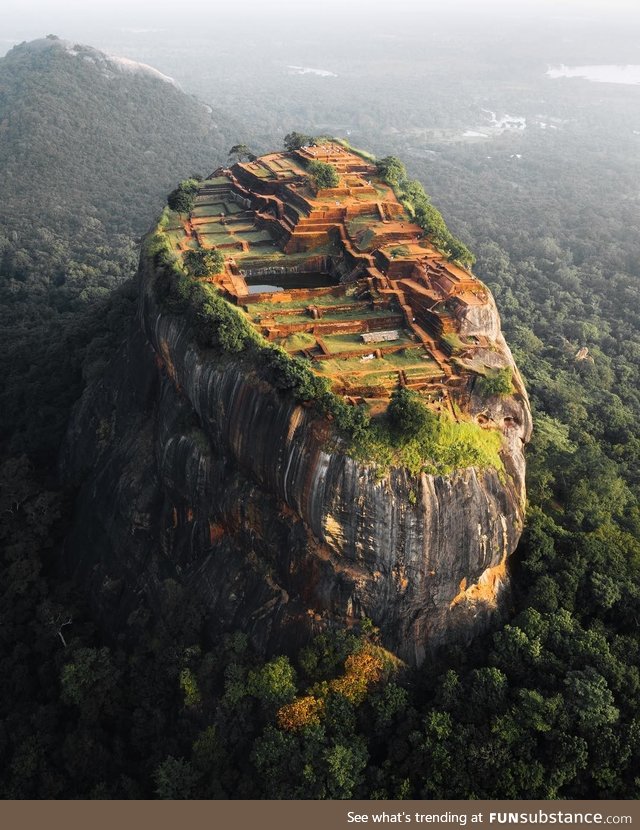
[(28, 19)]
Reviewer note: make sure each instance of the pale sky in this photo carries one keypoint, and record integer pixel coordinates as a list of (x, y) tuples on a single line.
[(96, 23), (154, 10)]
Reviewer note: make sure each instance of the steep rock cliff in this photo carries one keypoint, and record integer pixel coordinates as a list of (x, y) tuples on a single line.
[(196, 470)]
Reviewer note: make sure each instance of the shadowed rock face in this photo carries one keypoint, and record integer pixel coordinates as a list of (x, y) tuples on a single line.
[(196, 470)]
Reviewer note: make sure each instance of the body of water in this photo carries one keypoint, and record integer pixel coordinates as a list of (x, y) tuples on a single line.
[(600, 73), (289, 280)]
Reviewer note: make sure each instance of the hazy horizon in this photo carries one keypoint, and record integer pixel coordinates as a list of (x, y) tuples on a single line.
[(106, 24)]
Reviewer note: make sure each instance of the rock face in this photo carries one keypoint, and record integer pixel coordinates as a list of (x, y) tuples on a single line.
[(193, 469)]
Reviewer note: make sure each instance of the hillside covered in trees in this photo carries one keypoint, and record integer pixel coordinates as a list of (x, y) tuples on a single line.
[(87, 155)]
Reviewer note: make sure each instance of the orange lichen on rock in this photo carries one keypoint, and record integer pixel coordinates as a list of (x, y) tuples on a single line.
[(216, 532), (167, 363), (486, 589)]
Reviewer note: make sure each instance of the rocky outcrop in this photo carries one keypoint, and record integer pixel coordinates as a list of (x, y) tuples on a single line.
[(194, 469)]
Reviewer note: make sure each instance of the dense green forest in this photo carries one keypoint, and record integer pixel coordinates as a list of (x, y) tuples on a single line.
[(546, 705)]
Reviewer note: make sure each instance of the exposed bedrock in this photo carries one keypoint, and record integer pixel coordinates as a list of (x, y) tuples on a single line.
[(198, 471)]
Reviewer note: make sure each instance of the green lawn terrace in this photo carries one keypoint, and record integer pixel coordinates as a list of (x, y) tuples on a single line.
[(329, 326), (339, 276), (222, 218)]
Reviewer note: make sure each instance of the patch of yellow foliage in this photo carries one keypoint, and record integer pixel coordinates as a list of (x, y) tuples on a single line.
[(304, 711), (361, 670)]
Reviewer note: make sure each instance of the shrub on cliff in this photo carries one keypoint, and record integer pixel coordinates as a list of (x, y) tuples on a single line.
[(392, 170), (498, 382), (354, 420), (202, 263), (217, 323), (294, 141), (459, 251), (293, 375), (175, 289), (241, 152), (409, 415), (183, 197)]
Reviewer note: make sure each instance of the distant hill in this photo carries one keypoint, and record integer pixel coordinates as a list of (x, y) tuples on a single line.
[(89, 147), (85, 134)]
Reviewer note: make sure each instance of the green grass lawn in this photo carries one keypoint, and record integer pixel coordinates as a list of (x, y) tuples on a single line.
[(253, 236), (286, 319), (408, 357), (406, 363), (372, 379), (363, 313), (339, 368), (217, 180), (289, 313), (281, 308), (213, 209), (261, 172), (299, 341), (212, 227), (176, 237), (263, 250), (221, 236), (216, 240), (239, 226), (362, 222), (427, 367), (346, 343), (385, 366)]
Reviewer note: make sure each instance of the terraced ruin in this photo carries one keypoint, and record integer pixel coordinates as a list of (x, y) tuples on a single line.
[(340, 276)]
